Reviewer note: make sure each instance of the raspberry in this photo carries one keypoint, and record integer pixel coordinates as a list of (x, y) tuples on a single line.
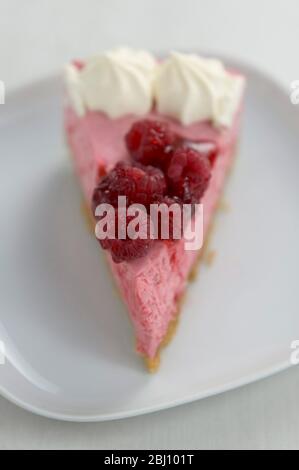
[(207, 148), (139, 184), (127, 249), (150, 142), (151, 186), (188, 173)]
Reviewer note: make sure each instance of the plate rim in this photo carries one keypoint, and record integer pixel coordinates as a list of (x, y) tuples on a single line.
[(214, 391)]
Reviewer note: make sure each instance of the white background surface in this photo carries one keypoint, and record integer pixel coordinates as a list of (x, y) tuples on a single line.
[(37, 36)]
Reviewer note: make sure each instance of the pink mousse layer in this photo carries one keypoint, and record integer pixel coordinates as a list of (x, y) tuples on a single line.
[(151, 286)]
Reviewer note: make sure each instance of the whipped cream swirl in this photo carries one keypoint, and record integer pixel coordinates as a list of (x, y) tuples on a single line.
[(74, 89), (191, 88), (118, 82), (186, 87)]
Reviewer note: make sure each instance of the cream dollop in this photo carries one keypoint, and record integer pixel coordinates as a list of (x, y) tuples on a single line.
[(127, 81), (74, 89), (119, 82), (191, 88)]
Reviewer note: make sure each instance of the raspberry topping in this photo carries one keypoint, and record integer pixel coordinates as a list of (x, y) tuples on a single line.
[(188, 173), (127, 249), (165, 169), (140, 184), (150, 142), (207, 148)]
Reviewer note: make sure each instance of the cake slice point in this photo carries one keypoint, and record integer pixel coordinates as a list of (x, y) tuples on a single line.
[(153, 285)]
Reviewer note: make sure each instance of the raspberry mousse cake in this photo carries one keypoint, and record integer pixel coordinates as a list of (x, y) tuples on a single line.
[(154, 132)]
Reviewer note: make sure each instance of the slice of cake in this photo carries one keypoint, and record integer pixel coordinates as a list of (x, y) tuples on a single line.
[(155, 132)]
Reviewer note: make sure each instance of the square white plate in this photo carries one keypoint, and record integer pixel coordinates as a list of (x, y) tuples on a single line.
[(69, 344)]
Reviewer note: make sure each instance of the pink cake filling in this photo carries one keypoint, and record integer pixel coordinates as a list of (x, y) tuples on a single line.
[(151, 286)]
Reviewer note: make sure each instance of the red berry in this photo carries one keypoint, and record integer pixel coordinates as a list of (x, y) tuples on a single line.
[(151, 186), (127, 249), (207, 148), (188, 173), (141, 185), (150, 142)]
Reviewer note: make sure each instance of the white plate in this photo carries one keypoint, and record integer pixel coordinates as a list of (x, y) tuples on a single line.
[(69, 344)]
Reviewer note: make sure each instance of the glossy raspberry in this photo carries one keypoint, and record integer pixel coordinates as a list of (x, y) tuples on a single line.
[(150, 142), (188, 173), (127, 249), (207, 148), (139, 184), (151, 187)]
